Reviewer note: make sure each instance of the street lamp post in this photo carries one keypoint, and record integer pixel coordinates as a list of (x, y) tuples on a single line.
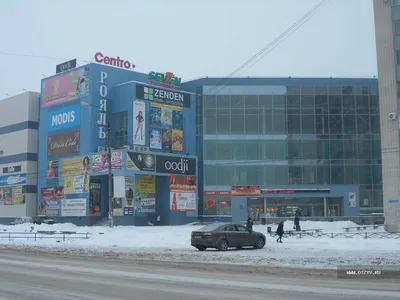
[(110, 208)]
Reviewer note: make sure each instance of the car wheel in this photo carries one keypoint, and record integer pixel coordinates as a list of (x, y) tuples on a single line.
[(223, 245), (260, 243), (202, 248)]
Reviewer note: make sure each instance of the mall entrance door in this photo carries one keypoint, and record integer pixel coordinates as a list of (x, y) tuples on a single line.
[(255, 208)]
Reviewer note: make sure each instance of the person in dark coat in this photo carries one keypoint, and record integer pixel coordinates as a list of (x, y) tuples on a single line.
[(297, 222), (279, 232), (249, 224)]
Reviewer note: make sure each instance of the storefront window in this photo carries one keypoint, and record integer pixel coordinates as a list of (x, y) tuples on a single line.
[(217, 203)]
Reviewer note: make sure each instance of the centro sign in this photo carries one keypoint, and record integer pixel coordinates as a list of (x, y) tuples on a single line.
[(175, 165), (64, 118), (113, 61)]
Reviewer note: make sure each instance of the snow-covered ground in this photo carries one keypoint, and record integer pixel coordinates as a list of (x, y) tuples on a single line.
[(172, 243)]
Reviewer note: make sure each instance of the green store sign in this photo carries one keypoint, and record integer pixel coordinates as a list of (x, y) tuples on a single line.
[(167, 79)]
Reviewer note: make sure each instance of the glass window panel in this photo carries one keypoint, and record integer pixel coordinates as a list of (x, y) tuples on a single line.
[(265, 121), (240, 176), (349, 104), (268, 150), (240, 150), (321, 105), (336, 149), (210, 111), (280, 150), (293, 90), (269, 175), (210, 175), (210, 124), (363, 124), (321, 124), (323, 149), (251, 104), (294, 124), (209, 150), (377, 174), (295, 175), (307, 90), (237, 124), (309, 175), (358, 90), (335, 124), (347, 90), (265, 101), (279, 124), (223, 101), (224, 150), (293, 104), (281, 175), (375, 124), (374, 89), (210, 101), (365, 174), (253, 150), (376, 149), (309, 149), (223, 124), (224, 175), (349, 124), (364, 149), (253, 175), (350, 149), (337, 174), (351, 175), (374, 105), (294, 150), (335, 90), (365, 90), (237, 102), (335, 105), (251, 124), (362, 105), (323, 174), (307, 105), (321, 90), (377, 198), (279, 104)]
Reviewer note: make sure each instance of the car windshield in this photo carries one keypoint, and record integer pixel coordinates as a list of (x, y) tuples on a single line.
[(209, 228)]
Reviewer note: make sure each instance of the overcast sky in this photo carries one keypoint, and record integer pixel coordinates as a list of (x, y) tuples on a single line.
[(192, 38)]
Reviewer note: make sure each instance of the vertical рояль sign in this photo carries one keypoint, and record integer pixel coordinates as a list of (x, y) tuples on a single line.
[(102, 122)]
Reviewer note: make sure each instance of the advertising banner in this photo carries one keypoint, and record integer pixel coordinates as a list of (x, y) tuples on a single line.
[(117, 206), (162, 96), (73, 207), (12, 169), (76, 166), (155, 138), (182, 202), (175, 165), (129, 190), (177, 140), (71, 64), (167, 79), (76, 184), (51, 208), (52, 169), (247, 191), (217, 203), (100, 162), (12, 195), (64, 118), (10, 180), (352, 199), (139, 123), (140, 162), (95, 198), (66, 87), (52, 193), (62, 144), (145, 193), (167, 139), (182, 183)]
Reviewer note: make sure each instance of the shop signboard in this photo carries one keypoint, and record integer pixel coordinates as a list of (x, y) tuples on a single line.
[(140, 162), (10, 180), (63, 144), (175, 165), (73, 207), (247, 191), (12, 169), (167, 79), (71, 64), (64, 118), (162, 96)]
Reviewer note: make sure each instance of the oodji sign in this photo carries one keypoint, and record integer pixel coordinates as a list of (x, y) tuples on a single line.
[(175, 165), (63, 144)]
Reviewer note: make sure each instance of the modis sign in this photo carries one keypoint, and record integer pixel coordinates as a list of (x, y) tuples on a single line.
[(112, 61), (168, 79)]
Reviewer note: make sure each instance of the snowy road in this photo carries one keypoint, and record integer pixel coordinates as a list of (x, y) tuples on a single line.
[(44, 276)]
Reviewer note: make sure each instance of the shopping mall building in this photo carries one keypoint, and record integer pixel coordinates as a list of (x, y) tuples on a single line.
[(233, 147)]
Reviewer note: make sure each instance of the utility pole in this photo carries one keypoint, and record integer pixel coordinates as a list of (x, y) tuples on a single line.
[(110, 208)]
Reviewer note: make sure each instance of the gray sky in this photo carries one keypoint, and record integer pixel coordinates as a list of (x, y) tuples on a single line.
[(192, 38)]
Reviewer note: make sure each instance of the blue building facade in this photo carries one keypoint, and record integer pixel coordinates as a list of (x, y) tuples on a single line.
[(268, 146), (153, 142)]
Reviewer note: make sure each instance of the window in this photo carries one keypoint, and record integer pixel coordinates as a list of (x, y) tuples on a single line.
[(307, 90), (224, 175), (309, 149), (267, 151), (398, 57), (253, 150), (335, 105), (242, 229), (268, 173), (265, 121), (237, 103), (280, 150), (281, 175), (294, 150), (363, 124), (210, 102), (362, 105), (210, 175), (209, 150), (251, 104), (336, 149), (349, 124), (251, 124), (121, 129), (237, 123), (351, 175), (397, 27), (223, 124), (374, 105), (293, 104), (349, 104), (279, 105), (335, 124), (308, 124), (279, 124), (395, 2), (210, 124), (239, 150), (347, 90), (307, 105), (224, 150), (223, 101), (294, 124), (321, 105), (253, 175), (337, 174), (375, 124)]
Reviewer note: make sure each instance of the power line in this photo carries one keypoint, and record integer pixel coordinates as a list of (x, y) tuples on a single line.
[(38, 56)]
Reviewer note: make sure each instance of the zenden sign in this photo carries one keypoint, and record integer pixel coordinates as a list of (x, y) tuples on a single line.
[(162, 96), (63, 118), (168, 79)]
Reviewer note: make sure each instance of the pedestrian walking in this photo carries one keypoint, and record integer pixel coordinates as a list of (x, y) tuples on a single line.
[(249, 224), (279, 232)]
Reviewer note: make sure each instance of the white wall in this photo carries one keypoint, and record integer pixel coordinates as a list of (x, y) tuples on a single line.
[(24, 210), (19, 108), (18, 142)]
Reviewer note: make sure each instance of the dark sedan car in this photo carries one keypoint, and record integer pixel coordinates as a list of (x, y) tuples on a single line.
[(224, 236)]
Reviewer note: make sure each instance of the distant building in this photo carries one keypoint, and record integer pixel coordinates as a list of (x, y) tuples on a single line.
[(19, 123)]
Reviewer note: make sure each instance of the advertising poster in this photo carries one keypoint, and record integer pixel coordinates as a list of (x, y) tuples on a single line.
[(177, 119), (66, 87), (117, 206), (50, 203), (166, 118), (52, 193), (11, 180), (76, 184), (140, 162), (182, 193), (177, 140), (167, 140), (129, 190), (155, 138), (145, 193), (95, 198), (100, 162), (182, 183), (64, 118), (217, 203), (52, 169), (139, 123), (249, 191), (352, 199), (155, 116), (12, 195), (73, 207), (76, 166), (63, 144), (12, 169)]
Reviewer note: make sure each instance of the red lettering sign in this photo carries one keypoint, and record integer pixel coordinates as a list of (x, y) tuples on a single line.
[(112, 61)]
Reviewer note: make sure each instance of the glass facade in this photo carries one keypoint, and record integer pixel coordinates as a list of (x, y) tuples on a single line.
[(304, 135), (120, 126)]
